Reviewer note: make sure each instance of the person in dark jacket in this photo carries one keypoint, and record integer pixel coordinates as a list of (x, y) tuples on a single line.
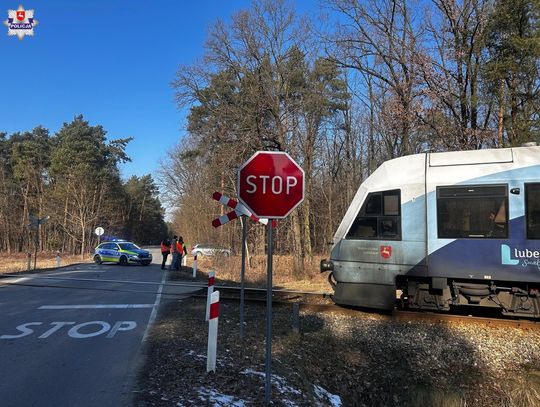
[(165, 251), (174, 252)]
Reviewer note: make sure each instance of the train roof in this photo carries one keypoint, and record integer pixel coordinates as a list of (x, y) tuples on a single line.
[(451, 167)]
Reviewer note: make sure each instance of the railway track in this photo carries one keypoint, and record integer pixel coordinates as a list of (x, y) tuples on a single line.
[(316, 302), (321, 305)]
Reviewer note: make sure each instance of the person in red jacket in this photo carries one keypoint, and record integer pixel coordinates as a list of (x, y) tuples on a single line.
[(165, 251), (181, 249)]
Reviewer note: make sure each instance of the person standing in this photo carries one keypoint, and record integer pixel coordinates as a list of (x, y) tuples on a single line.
[(182, 251), (174, 252), (165, 251)]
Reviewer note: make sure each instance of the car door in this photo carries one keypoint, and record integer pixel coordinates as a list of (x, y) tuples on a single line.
[(115, 252)]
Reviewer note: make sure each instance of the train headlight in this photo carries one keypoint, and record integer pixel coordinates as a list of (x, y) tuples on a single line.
[(327, 265)]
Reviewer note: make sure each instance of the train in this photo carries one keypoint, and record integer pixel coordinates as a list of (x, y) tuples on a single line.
[(438, 231)]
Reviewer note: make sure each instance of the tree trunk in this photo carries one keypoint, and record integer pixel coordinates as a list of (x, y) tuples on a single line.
[(298, 258), (500, 121)]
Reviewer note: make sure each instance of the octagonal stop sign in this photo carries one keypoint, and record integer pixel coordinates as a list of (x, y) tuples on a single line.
[(271, 184)]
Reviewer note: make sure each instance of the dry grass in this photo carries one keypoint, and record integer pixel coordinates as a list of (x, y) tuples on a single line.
[(228, 270), (524, 389), (15, 263), (424, 396)]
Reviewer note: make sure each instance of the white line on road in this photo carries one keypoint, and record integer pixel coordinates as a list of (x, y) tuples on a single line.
[(9, 280), (76, 271), (153, 315), (97, 306)]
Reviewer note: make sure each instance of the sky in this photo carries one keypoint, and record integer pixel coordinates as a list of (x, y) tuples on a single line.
[(111, 61)]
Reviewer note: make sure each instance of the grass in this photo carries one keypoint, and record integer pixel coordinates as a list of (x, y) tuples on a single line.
[(228, 270), (524, 389), (433, 397), (17, 262)]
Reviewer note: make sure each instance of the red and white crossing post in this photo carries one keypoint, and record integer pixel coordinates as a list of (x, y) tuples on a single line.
[(211, 281), (212, 333)]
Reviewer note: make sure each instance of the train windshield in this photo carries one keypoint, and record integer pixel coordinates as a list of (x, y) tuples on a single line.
[(379, 218)]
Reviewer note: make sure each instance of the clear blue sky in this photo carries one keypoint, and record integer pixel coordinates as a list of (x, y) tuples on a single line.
[(112, 61)]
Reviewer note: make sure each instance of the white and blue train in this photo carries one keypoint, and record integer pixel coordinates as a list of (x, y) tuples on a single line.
[(444, 230)]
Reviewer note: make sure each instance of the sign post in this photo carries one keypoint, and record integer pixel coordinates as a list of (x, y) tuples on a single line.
[(270, 185), (242, 275)]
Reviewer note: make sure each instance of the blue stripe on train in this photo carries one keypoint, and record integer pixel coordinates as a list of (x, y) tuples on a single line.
[(515, 258)]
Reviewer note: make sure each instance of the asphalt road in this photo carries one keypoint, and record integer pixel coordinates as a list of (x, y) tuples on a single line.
[(75, 341)]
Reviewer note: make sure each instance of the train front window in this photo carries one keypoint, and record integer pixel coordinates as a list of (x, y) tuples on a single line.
[(379, 218), (476, 211), (532, 207)]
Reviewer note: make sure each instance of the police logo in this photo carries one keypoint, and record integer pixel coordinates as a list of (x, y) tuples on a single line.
[(20, 22)]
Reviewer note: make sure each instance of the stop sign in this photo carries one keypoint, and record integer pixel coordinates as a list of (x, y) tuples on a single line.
[(271, 184)]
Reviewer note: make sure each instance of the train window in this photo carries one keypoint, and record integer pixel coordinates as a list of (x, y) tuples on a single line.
[(379, 217), (477, 211), (373, 204), (532, 199), (391, 203)]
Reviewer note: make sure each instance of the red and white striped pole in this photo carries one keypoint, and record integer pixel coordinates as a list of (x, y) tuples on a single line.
[(212, 333), (211, 280)]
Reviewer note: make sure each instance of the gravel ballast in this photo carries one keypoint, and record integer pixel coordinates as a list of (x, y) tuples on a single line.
[(361, 359)]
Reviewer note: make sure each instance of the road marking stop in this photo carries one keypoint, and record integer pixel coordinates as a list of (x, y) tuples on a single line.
[(82, 330)]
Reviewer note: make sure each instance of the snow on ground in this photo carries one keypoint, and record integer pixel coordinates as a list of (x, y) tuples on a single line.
[(324, 395), (215, 399)]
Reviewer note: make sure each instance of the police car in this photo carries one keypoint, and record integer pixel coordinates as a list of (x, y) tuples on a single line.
[(121, 252)]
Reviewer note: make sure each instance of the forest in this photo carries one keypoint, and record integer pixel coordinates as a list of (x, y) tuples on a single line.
[(72, 177), (341, 89), (352, 84)]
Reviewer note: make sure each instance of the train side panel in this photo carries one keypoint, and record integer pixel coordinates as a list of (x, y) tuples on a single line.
[(477, 257)]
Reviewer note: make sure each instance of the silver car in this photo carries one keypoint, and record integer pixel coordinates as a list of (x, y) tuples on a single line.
[(209, 250)]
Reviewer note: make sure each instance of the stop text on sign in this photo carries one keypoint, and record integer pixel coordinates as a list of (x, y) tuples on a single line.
[(275, 184)]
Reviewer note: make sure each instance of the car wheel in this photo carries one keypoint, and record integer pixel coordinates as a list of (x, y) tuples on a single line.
[(197, 254), (123, 261), (97, 259)]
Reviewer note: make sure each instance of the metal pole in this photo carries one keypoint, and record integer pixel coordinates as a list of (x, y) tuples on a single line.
[(268, 364), (242, 274)]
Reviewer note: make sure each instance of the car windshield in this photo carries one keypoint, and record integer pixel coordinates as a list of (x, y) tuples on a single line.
[(128, 246)]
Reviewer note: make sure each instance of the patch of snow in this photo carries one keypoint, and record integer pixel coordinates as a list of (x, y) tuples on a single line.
[(326, 397), (279, 382), (216, 399)]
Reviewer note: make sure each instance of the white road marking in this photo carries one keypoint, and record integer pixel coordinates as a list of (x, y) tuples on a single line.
[(153, 315), (9, 280), (75, 331), (97, 306), (76, 271)]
